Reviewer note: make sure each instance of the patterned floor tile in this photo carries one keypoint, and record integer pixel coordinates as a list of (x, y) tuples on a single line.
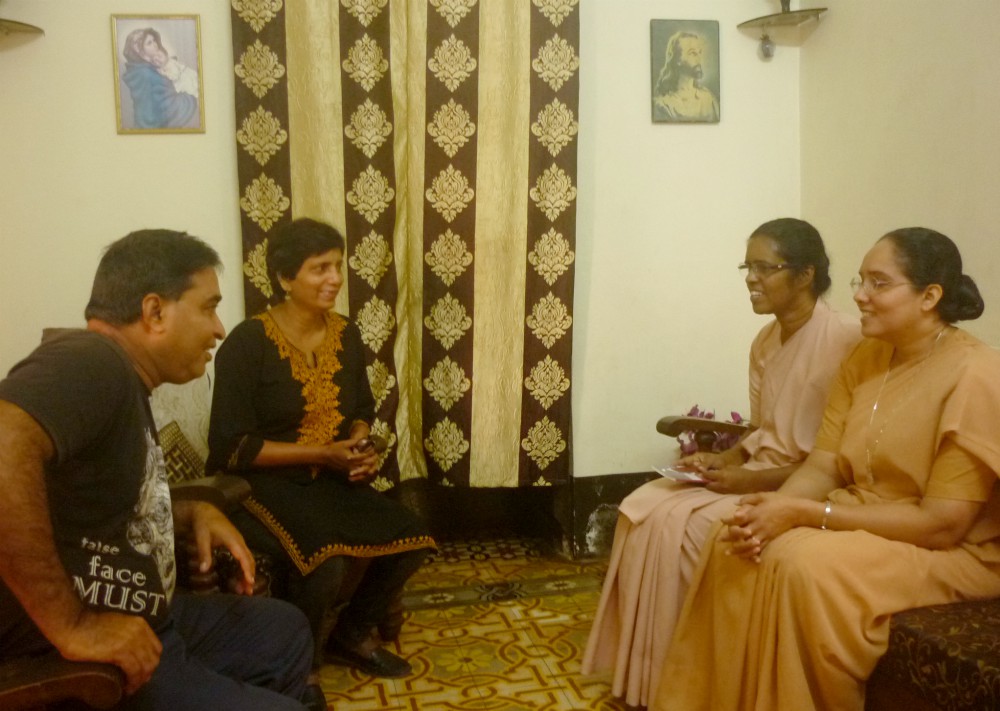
[(492, 625), (499, 591)]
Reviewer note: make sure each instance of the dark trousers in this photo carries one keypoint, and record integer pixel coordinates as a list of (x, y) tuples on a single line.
[(220, 653), (229, 653), (384, 577), (316, 592)]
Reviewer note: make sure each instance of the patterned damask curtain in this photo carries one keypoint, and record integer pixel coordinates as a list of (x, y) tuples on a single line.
[(440, 136)]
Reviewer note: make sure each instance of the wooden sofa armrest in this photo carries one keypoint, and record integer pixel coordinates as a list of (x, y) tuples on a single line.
[(35, 682), (225, 491), (673, 425), (705, 429)]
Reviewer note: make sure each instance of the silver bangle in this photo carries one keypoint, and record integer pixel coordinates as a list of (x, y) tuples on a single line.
[(826, 515)]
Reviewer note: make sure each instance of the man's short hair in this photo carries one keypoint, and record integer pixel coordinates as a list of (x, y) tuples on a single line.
[(145, 262)]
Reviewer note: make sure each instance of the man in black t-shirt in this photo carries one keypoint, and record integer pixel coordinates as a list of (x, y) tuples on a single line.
[(86, 522)]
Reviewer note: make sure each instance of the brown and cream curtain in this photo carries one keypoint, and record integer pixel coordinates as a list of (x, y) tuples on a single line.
[(440, 136)]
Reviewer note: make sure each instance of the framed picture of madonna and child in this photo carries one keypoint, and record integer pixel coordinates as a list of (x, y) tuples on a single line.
[(158, 85)]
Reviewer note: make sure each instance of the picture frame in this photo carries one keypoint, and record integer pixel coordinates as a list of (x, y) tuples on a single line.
[(685, 71), (158, 73)]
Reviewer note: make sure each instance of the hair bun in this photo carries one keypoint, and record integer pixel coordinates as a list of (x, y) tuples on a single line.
[(965, 303)]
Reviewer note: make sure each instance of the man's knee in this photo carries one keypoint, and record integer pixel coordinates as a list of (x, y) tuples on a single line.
[(286, 619), (276, 631), (289, 643)]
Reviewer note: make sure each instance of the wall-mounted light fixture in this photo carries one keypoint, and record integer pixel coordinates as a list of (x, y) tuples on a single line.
[(8, 27), (786, 18)]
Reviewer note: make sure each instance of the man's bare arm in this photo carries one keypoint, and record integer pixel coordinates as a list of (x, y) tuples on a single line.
[(30, 565)]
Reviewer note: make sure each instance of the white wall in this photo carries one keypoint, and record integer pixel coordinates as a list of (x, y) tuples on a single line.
[(899, 128), (661, 320), (69, 184)]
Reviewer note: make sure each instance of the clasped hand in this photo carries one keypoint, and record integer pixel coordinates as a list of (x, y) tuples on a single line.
[(758, 520), (361, 464)]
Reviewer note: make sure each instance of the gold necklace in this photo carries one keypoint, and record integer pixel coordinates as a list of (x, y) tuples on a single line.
[(871, 450)]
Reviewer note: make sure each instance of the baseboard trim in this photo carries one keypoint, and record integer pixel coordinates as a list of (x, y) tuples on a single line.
[(577, 518)]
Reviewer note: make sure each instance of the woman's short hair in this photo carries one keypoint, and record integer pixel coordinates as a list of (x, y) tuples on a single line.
[(145, 262), (294, 242), (927, 257), (799, 244)]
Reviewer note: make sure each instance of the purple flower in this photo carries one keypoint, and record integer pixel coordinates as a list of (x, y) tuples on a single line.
[(688, 446), (722, 441)]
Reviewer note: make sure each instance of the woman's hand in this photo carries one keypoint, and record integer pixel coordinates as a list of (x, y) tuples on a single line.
[(759, 519), (345, 455), (730, 480), (762, 517), (365, 462), (702, 461)]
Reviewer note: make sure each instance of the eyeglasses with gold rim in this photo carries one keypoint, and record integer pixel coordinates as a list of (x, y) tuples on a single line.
[(761, 269), (871, 285)]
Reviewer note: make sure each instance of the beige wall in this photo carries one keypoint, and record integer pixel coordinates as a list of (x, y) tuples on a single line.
[(899, 128), (883, 132), (662, 318), (69, 184)]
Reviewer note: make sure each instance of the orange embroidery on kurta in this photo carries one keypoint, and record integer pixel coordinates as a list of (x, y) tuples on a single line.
[(322, 410), (307, 565)]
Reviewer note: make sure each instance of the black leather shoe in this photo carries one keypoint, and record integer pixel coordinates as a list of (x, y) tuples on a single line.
[(379, 662), (313, 698)]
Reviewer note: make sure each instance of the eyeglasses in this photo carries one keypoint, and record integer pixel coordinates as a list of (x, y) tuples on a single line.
[(871, 285), (761, 269)]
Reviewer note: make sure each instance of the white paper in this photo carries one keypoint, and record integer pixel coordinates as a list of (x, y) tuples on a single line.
[(679, 475)]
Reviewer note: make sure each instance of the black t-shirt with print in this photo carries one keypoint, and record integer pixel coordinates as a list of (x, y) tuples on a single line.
[(107, 488)]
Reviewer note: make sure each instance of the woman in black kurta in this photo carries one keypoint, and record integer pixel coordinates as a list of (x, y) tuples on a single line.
[(290, 409)]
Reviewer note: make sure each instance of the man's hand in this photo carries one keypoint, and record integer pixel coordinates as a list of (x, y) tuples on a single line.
[(126, 641), (211, 529)]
